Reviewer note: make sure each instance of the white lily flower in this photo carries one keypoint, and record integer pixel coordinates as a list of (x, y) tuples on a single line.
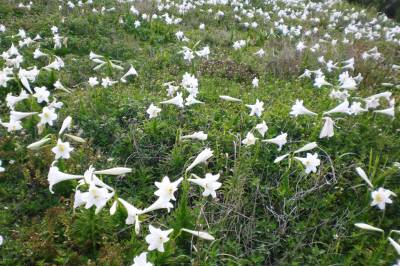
[(368, 227), (200, 135), (166, 188), (381, 197), (257, 108), (65, 125), (262, 128), (395, 245), (141, 260), (177, 100), (279, 140), (55, 176), (157, 238), (209, 183), (201, 158), (36, 145), (62, 150), (114, 171), (200, 234), (364, 176), (310, 162), (299, 109), (229, 98), (16, 116), (341, 108), (327, 129), (75, 138), (131, 72), (307, 147)]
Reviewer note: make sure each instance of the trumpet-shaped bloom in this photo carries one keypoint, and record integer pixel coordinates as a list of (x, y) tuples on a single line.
[(141, 260), (299, 109), (279, 140), (93, 81), (131, 72), (177, 100), (320, 81), (262, 128), (341, 108), (47, 116), (310, 162), (356, 108), (190, 100), (209, 183), (249, 140), (307, 147), (62, 150), (389, 111), (157, 205), (200, 135), (16, 116), (381, 197), (65, 125), (55, 176), (153, 111), (97, 197), (12, 125), (133, 214), (257, 108), (201, 158), (166, 188), (157, 238), (42, 94), (327, 129)]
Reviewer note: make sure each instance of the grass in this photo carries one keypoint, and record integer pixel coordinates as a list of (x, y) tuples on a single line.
[(265, 214)]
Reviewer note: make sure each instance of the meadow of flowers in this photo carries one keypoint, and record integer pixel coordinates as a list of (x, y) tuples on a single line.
[(198, 132)]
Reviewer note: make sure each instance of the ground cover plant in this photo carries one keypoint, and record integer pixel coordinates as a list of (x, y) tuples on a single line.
[(207, 132)]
